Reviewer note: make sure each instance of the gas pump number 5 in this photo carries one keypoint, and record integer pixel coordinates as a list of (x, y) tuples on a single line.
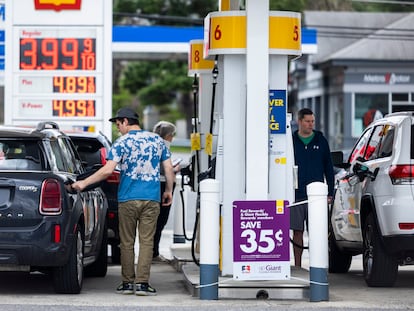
[(267, 242)]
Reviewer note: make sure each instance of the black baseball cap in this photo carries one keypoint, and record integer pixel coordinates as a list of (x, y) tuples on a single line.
[(125, 113)]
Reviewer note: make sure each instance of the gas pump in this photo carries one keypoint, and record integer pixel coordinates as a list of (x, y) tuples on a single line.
[(254, 185), (253, 96), (201, 71)]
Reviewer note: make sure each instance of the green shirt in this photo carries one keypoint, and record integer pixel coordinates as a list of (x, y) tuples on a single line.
[(307, 140)]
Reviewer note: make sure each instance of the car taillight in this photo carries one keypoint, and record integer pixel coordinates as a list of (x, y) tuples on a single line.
[(113, 178), (103, 155), (406, 225), (401, 174), (50, 198)]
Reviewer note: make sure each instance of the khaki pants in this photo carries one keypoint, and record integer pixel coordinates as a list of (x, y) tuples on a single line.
[(131, 214)]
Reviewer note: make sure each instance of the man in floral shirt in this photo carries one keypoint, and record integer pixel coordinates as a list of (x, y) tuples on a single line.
[(138, 154)]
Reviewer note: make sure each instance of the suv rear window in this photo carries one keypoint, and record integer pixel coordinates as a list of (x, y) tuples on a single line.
[(89, 150), (19, 155)]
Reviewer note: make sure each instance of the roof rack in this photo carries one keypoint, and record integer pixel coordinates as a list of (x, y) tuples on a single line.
[(47, 125)]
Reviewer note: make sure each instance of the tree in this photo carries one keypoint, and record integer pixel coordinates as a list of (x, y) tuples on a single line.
[(164, 84)]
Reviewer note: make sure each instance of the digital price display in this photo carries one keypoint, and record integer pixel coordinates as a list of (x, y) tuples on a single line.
[(57, 54), (70, 84), (73, 108)]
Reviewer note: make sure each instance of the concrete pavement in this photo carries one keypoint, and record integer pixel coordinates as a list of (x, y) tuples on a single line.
[(346, 292)]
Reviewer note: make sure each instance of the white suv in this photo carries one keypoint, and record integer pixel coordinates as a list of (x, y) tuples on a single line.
[(373, 209)]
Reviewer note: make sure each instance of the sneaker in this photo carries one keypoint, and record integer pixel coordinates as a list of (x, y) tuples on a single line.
[(125, 288), (144, 289), (160, 259)]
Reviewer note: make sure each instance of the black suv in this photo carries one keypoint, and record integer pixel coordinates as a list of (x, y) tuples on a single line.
[(93, 148), (45, 225)]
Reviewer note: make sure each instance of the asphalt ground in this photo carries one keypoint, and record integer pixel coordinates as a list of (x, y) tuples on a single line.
[(346, 292)]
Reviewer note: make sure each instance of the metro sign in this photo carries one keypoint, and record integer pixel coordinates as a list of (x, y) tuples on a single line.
[(57, 5)]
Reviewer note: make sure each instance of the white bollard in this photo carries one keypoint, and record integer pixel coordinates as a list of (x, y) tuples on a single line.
[(178, 205), (318, 240), (209, 238)]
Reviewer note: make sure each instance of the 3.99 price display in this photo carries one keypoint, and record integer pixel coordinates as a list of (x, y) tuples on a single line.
[(73, 108), (57, 54)]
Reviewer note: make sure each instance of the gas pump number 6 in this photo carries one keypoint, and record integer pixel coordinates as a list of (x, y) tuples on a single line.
[(217, 33), (266, 243)]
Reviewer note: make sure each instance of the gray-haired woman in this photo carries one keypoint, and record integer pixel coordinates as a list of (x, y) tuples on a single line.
[(167, 131)]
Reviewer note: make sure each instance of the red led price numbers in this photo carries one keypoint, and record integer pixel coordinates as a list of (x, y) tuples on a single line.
[(74, 85), (57, 54), (73, 108)]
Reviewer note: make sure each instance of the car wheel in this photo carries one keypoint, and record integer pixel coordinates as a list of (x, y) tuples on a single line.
[(100, 266), (68, 279), (116, 253), (339, 262), (380, 268)]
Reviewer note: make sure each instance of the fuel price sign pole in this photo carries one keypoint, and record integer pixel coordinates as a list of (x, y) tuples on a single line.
[(58, 63)]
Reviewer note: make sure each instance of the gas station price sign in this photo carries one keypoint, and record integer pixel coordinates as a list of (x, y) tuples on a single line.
[(261, 240), (58, 73)]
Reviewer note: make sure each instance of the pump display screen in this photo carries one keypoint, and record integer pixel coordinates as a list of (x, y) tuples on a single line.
[(57, 54)]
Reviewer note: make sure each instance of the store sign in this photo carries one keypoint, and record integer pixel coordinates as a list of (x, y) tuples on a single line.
[(57, 5), (388, 78)]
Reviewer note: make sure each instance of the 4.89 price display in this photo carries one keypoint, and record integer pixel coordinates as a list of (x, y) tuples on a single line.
[(74, 108), (74, 84)]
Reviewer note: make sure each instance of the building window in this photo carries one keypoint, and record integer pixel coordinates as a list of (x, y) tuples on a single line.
[(367, 108), (402, 107), (399, 97)]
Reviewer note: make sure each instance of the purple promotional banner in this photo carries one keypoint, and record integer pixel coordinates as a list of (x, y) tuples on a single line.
[(261, 231)]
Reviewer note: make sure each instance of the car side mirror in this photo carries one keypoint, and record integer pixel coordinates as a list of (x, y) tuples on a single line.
[(338, 160)]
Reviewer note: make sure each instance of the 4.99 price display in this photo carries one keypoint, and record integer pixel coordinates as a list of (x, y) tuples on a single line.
[(74, 108)]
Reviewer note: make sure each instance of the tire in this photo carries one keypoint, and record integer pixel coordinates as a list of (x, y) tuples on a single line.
[(339, 262), (380, 268), (100, 267), (68, 279), (116, 253)]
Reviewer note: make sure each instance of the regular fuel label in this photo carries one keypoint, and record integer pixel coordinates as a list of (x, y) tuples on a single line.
[(261, 240)]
